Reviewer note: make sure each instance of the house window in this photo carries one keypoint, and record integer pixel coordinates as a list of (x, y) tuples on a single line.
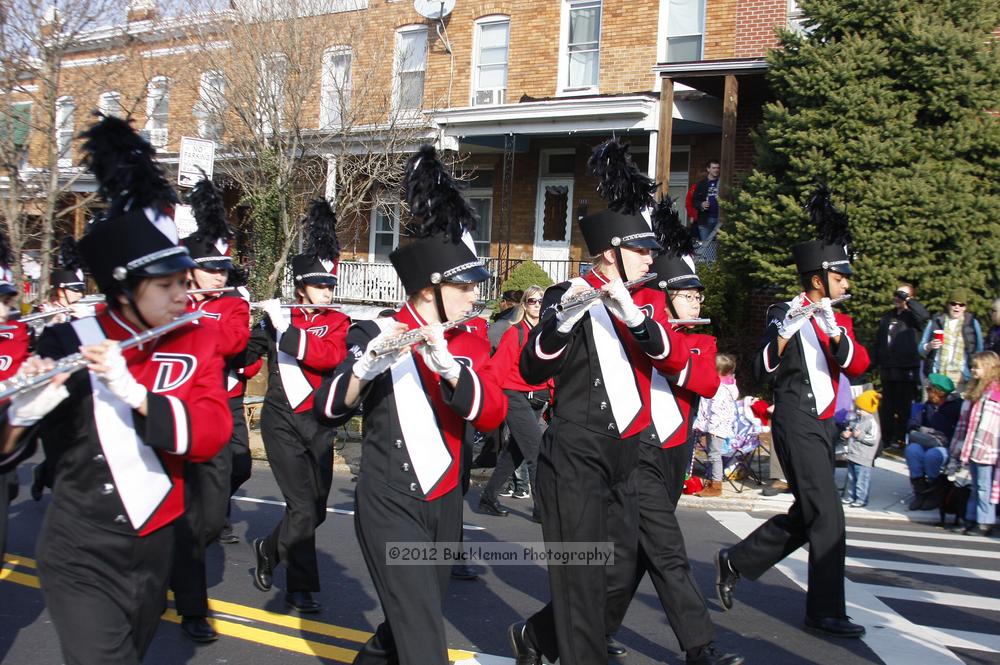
[(384, 231), (560, 162), (208, 110), (336, 93), (796, 18), (480, 197), (157, 111), (271, 108), (110, 103), (64, 129), (580, 62), (490, 66), (685, 30), (411, 65)]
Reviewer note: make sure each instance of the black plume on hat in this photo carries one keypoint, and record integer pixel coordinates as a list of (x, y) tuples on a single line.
[(620, 182), (322, 230), (669, 229), (69, 254), (122, 161), (209, 212), (435, 197), (830, 222)]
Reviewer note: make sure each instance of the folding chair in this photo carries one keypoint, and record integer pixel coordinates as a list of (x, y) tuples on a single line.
[(745, 446)]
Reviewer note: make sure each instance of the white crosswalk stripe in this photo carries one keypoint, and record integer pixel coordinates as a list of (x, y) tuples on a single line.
[(921, 581)]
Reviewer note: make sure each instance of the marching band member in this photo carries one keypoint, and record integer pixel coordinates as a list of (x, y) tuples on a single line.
[(416, 406), (242, 465), (658, 478), (208, 483), (118, 435), (301, 344), (67, 286), (601, 357), (805, 351)]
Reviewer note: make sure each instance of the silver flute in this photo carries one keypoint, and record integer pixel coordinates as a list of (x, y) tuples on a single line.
[(21, 383), (590, 295), (221, 289), (690, 322), (299, 305), (810, 309), (416, 336), (86, 300)]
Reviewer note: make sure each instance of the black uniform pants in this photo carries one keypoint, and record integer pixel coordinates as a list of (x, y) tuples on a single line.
[(655, 487), (300, 452), (412, 597), (8, 491), (239, 445), (894, 409), (583, 497), (206, 489), (805, 447), (105, 591), (525, 441)]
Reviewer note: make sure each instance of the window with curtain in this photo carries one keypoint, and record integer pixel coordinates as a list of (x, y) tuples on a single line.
[(157, 111), (336, 88), (110, 103), (411, 66), (384, 231), (208, 110), (271, 107), (583, 44), (493, 40), (65, 108), (685, 30)]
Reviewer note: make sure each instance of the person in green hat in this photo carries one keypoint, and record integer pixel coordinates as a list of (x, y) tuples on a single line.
[(951, 338), (930, 430)]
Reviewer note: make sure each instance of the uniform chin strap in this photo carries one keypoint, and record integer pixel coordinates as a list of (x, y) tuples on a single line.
[(620, 260), (439, 303), (670, 305), (135, 308)]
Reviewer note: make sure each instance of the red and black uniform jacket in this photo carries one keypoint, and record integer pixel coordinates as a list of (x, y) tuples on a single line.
[(675, 397), (118, 470), (509, 351), (298, 359), (228, 314), (601, 369), (413, 420), (13, 348), (807, 374)]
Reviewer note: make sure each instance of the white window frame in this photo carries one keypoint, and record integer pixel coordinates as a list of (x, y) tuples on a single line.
[(543, 162), (64, 130), (208, 112), (562, 84), (269, 88), (382, 206), (476, 65), (483, 193), (795, 18), (109, 99), (397, 72), (329, 115), (158, 111), (666, 41)]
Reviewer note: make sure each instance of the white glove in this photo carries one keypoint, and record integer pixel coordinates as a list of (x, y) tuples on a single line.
[(436, 355), (568, 319), (826, 318), (119, 380), (29, 407), (274, 312), (370, 365), (619, 303), (82, 311), (789, 326)]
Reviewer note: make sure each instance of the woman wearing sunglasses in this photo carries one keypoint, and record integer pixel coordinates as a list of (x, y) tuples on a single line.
[(951, 339), (526, 403)]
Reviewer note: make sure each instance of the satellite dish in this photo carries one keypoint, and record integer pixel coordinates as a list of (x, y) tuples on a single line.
[(434, 9)]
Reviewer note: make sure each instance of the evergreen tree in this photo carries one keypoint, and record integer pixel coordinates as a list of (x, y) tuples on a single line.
[(894, 104)]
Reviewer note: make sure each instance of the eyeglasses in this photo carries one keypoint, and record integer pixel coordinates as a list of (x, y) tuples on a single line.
[(690, 297), (533, 301), (956, 304)]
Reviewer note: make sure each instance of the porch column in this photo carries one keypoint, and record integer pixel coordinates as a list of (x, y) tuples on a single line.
[(664, 139), (728, 159)]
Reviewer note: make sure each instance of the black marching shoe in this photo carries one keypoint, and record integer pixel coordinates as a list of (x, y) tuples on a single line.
[(37, 482), (492, 507), (614, 648), (707, 655), (726, 578), (524, 652), (262, 573), (836, 626), (198, 630), (227, 537), (302, 602)]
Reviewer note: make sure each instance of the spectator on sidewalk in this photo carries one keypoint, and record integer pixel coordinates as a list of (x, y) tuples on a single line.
[(896, 355), (720, 421), (951, 338), (975, 443), (993, 338), (706, 200), (862, 435), (930, 430)]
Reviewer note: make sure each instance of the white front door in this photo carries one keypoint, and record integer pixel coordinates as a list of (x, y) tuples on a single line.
[(553, 225)]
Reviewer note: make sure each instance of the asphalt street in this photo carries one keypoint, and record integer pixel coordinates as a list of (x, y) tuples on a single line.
[(925, 594)]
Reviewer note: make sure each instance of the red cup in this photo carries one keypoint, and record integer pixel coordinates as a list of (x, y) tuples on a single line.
[(939, 336)]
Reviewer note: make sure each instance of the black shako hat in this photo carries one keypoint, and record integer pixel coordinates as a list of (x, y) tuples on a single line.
[(135, 236), (7, 287), (674, 265), (209, 244), (443, 252), (318, 265), (69, 273), (831, 251)]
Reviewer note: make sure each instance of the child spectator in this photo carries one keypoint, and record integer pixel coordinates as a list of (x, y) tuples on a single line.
[(975, 442), (721, 419), (862, 435)]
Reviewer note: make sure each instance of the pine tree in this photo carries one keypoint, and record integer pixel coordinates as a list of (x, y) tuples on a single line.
[(894, 104)]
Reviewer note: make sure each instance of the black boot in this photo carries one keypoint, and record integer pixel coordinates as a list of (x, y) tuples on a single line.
[(614, 648), (707, 655), (934, 495), (525, 652), (920, 487)]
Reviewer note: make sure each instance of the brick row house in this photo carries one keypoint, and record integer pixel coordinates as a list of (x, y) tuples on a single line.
[(522, 90)]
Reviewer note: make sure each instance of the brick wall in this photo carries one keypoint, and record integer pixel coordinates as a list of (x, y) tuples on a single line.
[(755, 23)]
